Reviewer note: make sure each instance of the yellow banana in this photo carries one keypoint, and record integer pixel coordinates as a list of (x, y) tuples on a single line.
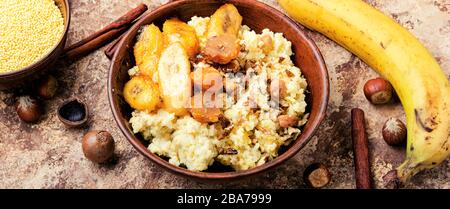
[(174, 81), (398, 56)]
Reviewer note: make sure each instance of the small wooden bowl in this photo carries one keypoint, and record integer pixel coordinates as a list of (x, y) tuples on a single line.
[(257, 16), (16, 78)]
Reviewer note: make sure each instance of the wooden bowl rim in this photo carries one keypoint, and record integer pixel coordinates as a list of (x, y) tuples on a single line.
[(35, 64), (294, 149)]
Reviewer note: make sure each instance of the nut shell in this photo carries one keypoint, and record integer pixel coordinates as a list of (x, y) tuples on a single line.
[(73, 113), (98, 146), (316, 175)]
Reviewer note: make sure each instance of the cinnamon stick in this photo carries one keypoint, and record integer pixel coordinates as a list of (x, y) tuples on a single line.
[(112, 47), (105, 35), (94, 44), (360, 150)]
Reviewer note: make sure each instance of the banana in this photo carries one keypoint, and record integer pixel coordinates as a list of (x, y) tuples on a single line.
[(226, 20), (175, 30), (398, 56), (142, 93), (175, 85), (148, 49)]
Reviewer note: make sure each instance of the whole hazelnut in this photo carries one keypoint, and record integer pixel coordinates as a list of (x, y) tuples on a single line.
[(267, 44), (28, 109), (378, 91), (286, 121), (277, 89), (316, 175), (394, 132), (98, 146), (47, 87)]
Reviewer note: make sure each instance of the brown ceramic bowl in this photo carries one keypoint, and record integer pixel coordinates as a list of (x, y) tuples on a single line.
[(16, 78), (257, 16)]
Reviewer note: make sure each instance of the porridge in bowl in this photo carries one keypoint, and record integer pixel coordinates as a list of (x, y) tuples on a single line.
[(213, 90)]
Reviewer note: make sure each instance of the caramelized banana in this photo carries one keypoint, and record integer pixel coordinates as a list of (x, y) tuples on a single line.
[(222, 49), (175, 30), (207, 78), (176, 87), (226, 20), (148, 49), (141, 93)]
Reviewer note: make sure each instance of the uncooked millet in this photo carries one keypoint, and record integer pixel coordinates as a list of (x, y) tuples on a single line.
[(28, 31)]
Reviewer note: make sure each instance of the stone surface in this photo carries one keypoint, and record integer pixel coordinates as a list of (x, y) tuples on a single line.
[(47, 155)]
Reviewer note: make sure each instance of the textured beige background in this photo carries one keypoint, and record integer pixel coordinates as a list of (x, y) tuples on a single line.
[(47, 155)]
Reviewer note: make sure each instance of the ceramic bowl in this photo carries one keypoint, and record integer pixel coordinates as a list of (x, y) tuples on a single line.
[(257, 16), (25, 75)]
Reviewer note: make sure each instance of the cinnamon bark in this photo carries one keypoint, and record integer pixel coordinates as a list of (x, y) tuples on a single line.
[(360, 150), (112, 47), (105, 35)]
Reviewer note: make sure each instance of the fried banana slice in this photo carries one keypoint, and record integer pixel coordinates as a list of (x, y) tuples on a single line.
[(142, 94), (226, 20), (148, 49), (174, 81), (175, 30)]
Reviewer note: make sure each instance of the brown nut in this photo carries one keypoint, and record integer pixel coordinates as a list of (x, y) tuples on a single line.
[(222, 49), (277, 89), (98, 146), (207, 78), (232, 67), (378, 91), (28, 109), (394, 132), (206, 112), (316, 175), (287, 121), (73, 113), (228, 151), (47, 87), (267, 44)]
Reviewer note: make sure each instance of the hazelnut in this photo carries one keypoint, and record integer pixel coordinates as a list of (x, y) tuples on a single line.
[(46, 88), (267, 44), (207, 78), (277, 89), (378, 91), (228, 151), (98, 146), (394, 132), (28, 109), (316, 175), (234, 66), (286, 121)]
